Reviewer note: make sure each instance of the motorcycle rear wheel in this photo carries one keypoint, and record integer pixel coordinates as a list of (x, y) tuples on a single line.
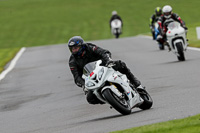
[(116, 102), (148, 102)]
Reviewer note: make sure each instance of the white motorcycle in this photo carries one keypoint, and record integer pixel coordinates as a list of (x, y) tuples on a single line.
[(116, 27), (112, 87), (176, 37)]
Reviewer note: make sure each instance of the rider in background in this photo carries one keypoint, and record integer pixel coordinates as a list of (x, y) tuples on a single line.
[(154, 18), (115, 16), (163, 22), (84, 53)]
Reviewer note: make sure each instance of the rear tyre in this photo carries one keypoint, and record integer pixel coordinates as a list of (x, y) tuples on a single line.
[(148, 102), (120, 104)]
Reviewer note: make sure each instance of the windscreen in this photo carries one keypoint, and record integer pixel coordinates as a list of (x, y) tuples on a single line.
[(88, 68), (173, 25)]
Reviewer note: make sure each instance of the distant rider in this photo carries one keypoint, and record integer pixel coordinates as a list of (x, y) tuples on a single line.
[(163, 22), (154, 18), (84, 53), (115, 16)]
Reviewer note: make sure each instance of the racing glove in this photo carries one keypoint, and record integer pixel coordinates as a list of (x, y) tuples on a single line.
[(185, 28), (110, 62)]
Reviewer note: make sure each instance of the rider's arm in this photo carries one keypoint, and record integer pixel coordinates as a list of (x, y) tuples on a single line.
[(178, 18), (104, 55), (118, 17), (160, 27), (152, 19), (111, 19), (160, 23), (79, 81)]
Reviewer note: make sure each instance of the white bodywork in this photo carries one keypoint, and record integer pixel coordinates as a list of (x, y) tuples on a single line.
[(176, 34), (101, 74), (116, 26)]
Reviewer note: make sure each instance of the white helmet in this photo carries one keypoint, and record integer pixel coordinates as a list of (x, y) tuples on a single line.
[(167, 11), (114, 12)]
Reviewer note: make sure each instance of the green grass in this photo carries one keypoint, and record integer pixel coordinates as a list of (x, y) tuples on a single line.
[(186, 125), (5, 55), (26, 23)]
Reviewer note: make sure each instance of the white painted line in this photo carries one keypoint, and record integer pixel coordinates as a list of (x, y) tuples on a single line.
[(12, 64), (145, 36), (190, 48)]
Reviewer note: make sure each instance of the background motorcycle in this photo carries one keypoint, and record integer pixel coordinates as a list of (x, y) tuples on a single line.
[(116, 27), (156, 33), (176, 37), (113, 88)]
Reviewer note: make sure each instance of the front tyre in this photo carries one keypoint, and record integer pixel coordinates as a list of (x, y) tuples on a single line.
[(117, 35), (120, 104), (181, 56)]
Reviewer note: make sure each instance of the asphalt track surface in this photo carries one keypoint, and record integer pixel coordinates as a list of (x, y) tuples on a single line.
[(39, 94)]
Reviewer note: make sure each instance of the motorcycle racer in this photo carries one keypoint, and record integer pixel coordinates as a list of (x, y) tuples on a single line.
[(167, 17), (83, 53), (115, 16), (154, 18)]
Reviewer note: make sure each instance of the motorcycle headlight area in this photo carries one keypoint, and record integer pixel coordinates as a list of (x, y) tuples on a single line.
[(100, 74), (89, 84)]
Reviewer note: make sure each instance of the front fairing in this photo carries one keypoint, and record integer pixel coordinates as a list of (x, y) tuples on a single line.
[(96, 79), (174, 29), (176, 34)]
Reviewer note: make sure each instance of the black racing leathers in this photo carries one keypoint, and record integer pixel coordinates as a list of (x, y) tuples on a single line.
[(94, 53), (154, 18), (163, 22)]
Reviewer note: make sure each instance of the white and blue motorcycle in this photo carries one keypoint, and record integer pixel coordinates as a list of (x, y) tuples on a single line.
[(113, 88), (156, 33)]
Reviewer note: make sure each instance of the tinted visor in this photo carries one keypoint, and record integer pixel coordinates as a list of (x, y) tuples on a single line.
[(167, 13), (158, 13), (75, 49)]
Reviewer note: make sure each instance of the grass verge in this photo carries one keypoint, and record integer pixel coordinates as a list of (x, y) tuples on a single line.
[(6, 55), (186, 125)]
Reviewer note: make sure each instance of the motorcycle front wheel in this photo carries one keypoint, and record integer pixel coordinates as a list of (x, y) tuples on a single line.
[(181, 56), (120, 104)]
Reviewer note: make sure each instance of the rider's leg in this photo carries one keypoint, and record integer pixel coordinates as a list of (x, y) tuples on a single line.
[(121, 67), (163, 40)]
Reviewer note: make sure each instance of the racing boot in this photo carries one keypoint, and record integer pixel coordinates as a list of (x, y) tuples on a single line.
[(135, 83), (133, 80), (167, 44)]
